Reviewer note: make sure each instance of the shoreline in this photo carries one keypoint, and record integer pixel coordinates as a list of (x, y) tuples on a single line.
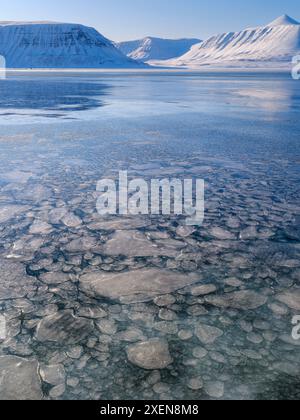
[(204, 70)]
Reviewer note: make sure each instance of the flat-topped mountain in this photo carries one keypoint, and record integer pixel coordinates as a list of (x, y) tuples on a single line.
[(58, 45)]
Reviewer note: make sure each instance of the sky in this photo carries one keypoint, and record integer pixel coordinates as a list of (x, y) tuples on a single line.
[(132, 19)]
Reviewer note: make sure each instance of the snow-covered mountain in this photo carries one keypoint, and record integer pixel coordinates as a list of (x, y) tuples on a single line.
[(272, 45), (150, 48), (58, 45)]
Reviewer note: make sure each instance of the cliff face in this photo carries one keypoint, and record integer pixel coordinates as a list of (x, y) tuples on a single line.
[(53, 45)]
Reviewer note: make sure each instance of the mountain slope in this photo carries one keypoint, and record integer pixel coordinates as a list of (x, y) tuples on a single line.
[(156, 48), (58, 45), (272, 45)]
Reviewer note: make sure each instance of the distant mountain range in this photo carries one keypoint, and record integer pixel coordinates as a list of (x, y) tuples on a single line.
[(272, 45), (66, 45), (58, 45), (150, 48)]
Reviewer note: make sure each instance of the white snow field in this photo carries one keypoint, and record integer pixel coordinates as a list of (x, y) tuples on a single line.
[(151, 48), (58, 45), (270, 46)]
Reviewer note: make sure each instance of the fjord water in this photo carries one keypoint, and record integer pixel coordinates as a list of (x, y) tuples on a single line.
[(226, 333)]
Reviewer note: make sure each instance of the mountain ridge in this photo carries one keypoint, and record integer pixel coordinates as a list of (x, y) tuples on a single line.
[(45, 44), (274, 43)]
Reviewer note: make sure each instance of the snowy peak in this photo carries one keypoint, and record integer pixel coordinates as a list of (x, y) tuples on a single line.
[(151, 48), (283, 20), (58, 45), (271, 45)]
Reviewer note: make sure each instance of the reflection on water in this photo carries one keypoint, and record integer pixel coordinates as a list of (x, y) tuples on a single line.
[(54, 98), (282, 98), (86, 298)]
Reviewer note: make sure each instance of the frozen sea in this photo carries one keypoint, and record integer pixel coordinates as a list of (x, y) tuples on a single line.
[(143, 307)]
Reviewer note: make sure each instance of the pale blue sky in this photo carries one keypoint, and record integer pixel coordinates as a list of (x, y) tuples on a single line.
[(129, 19)]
